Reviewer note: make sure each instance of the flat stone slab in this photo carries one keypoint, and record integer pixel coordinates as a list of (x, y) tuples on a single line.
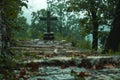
[(64, 58), (56, 73), (104, 74), (90, 62), (98, 57), (59, 67)]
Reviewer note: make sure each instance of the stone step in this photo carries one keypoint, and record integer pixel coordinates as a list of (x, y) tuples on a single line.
[(32, 51), (41, 42), (42, 46), (38, 50), (77, 61), (32, 48), (56, 73)]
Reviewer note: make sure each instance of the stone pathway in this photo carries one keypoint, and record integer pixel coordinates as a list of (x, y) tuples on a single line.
[(58, 61), (104, 74), (56, 73), (39, 47), (60, 68)]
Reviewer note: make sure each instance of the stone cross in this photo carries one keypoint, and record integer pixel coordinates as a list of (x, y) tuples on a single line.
[(48, 19)]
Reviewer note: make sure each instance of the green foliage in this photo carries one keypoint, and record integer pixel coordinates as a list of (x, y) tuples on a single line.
[(11, 8), (111, 53), (94, 11), (7, 66), (21, 29), (71, 38), (59, 37), (84, 44), (38, 27), (67, 24)]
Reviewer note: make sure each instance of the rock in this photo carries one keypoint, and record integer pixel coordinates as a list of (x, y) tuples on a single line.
[(50, 53), (40, 43), (62, 42), (36, 40), (114, 76), (55, 51), (56, 73), (104, 77)]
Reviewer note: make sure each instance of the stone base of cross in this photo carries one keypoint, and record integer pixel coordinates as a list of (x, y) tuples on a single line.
[(48, 36)]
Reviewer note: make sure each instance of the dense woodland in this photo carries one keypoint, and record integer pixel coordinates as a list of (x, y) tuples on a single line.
[(77, 19)]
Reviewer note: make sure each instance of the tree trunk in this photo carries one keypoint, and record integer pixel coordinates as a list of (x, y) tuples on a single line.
[(113, 39), (0, 32), (4, 35), (95, 27)]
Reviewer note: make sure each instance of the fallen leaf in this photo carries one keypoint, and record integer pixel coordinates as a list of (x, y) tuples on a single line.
[(83, 74), (22, 72), (109, 66)]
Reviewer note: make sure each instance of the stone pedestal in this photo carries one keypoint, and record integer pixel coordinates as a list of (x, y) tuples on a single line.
[(48, 36)]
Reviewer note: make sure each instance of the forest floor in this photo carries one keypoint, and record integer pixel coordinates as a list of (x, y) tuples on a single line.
[(58, 60)]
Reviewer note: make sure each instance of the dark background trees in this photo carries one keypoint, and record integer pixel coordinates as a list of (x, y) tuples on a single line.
[(97, 17), (71, 26), (9, 11), (98, 14), (113, 40), (76, 21)]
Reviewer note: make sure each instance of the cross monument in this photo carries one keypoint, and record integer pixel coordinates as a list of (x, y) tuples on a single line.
[(48, 35)]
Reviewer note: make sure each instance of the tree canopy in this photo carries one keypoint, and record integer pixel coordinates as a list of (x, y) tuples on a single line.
[(96, 13)]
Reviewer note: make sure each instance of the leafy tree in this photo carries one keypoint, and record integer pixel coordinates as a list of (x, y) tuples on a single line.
[(21, 28), (37, 26), (9, 10), (67, 23), (96, 13), (113, 40)]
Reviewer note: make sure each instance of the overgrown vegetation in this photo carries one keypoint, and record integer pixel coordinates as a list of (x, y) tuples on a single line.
[(70, 26), (9, 11)]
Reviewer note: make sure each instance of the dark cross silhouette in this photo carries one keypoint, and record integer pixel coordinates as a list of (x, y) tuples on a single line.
[(48, 35), (48, 18)]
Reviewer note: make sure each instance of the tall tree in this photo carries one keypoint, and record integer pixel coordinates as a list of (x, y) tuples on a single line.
[(9, 11), (68, 23), (113, 40), (95, 14), (37, 26), (93, 11), (21, 28)]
